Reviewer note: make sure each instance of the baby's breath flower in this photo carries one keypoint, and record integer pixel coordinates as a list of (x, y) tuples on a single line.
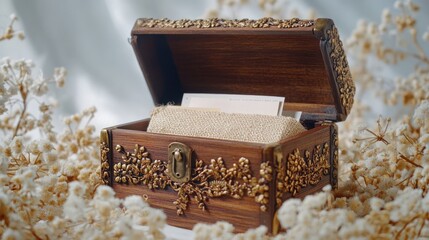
[(59, 76), (398, 4), (386, 16), (12, 234), (288, 213), (220, 230), (45, 146), (421, 114), (134, 203)]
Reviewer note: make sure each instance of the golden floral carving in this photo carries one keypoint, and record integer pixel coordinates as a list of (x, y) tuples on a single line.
[(224, 23), (208, 180), (301, 170), (104, 156), (343, 76), (335, 157)]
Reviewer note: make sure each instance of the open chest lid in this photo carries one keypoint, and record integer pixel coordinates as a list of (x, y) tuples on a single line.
[(301, 60)]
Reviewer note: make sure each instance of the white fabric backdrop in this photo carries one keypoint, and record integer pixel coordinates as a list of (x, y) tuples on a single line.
[(89, 38)]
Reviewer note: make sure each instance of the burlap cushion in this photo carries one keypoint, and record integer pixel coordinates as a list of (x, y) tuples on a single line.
[(211, 124)]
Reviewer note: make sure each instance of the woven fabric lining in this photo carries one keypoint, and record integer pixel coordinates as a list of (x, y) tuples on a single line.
[(226, 126)]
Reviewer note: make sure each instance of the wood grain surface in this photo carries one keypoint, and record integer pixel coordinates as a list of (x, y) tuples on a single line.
[(242, 213), (278, 62)]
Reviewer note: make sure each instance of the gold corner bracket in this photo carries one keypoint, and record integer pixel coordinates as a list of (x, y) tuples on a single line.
[(321, 25)]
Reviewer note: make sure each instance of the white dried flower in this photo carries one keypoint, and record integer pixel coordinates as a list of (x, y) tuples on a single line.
[(134, 202), (398, 4), (17, 145), (288, 213), (219, 231), (376, 203), (75, 206), (386, 16), (45, 146), (12, 234), (60, 76), (258, 233), (421, 114)]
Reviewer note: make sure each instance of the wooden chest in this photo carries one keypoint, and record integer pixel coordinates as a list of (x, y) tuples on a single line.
[(242, 183)]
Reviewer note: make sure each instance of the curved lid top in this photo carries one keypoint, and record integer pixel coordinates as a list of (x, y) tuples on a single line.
[(302, 60)]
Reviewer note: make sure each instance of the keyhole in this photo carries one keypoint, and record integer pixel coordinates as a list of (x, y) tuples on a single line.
[(178, 167), (179, 162)]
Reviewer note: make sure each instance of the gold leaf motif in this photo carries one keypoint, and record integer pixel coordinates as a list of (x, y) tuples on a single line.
[(301, 169), (208, 180), (342, 71), (105, 166), (335, 158), (224, 23)]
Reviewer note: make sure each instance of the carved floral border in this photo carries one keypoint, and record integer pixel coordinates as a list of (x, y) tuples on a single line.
[(302, 168), (224, 23), (216, 179), (208, 180), (341, 68)]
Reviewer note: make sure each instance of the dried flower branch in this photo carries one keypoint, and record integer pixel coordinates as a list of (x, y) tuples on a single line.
[(49, 182), (379, 136), (10, 32)]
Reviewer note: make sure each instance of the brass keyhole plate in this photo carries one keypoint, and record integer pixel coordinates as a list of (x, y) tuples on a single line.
[(179, 162)]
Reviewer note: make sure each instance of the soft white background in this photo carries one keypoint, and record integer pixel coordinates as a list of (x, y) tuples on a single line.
[(90, 39)]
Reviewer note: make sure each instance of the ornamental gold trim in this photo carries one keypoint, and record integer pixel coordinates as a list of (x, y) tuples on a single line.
[(104, 156), (211, 180), (224, 23), (335, 157), (341, 68), (301, 168)]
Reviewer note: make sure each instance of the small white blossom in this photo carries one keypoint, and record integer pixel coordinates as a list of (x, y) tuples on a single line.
[(12, 234), (134, 202), (421, 114), (386, 16), (288, 213), (398, 4), (218, 231)]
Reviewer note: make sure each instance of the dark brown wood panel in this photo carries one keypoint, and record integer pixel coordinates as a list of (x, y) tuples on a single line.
[(259, 61), (158, 68), (307, 141), (244, 213), (283, 65), (311, 189), (139, 125)]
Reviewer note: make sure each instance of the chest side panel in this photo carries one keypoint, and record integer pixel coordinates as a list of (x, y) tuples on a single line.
[(225, 184)]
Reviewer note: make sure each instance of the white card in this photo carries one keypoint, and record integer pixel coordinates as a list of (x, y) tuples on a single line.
[(293, 114), (229, 103)]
